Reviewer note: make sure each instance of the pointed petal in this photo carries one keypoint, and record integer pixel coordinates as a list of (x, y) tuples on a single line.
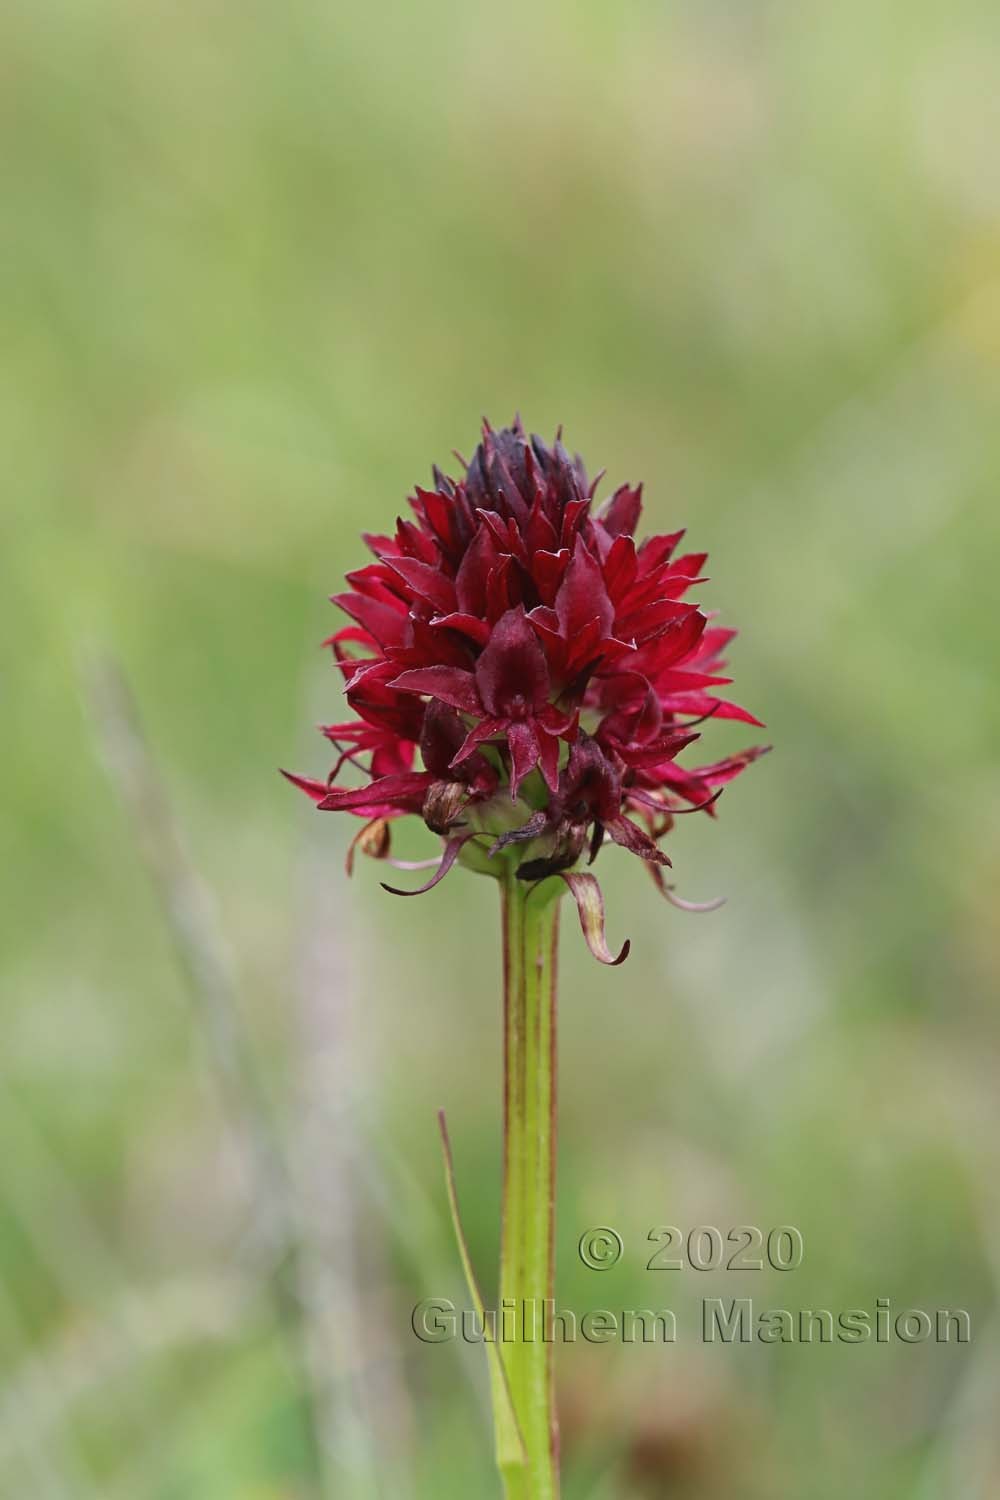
[(724, 771), (476, 567), (441, 734), (620, 567), (540, 536), (524, 753), (582, 596), (663, 749), (686, 567), (583, 647), (628, 836), (317, 790), (477, 736), (384, 624), (656, 550), (352, 633), (389, 791), (548, 757), (621, 513), (548, 570), (452, 685), (573, 518), (451, 852), (468, 625), (512, 666), (708, 707), (562, 725), (503, 588), (677, 680)]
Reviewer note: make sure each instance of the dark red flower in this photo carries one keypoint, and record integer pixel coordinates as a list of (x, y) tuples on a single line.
[(543, 666)]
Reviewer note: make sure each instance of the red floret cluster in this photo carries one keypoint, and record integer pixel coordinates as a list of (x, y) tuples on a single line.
[(515, 643)]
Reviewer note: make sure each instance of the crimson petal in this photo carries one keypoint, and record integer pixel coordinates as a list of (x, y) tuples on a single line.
[(477, 736), (524, 753), (625, 833), (388, 791), (512, 667), (317, 790), (477, 565), (582, 596), (452, 685), (427, 581), (468, 625), (383, 623), (621, 513)]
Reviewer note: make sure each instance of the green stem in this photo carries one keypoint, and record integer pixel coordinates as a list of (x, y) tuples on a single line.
[(527, 1268)]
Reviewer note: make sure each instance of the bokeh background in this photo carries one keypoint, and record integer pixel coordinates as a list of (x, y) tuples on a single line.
[(261, 265)]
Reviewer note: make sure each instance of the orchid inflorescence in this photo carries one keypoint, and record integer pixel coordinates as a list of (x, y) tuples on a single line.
[(525, 674)]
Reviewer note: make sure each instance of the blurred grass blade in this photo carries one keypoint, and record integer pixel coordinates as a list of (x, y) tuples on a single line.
[(507, 1434), (204, 958)]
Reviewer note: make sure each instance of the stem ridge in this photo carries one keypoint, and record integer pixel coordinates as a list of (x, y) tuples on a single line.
[(527, 1251)]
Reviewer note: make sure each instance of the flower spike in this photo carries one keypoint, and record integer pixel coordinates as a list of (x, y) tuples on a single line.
[(522, 665)]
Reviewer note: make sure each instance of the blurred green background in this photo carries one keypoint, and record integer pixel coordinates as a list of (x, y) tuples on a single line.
[(261, 264)]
